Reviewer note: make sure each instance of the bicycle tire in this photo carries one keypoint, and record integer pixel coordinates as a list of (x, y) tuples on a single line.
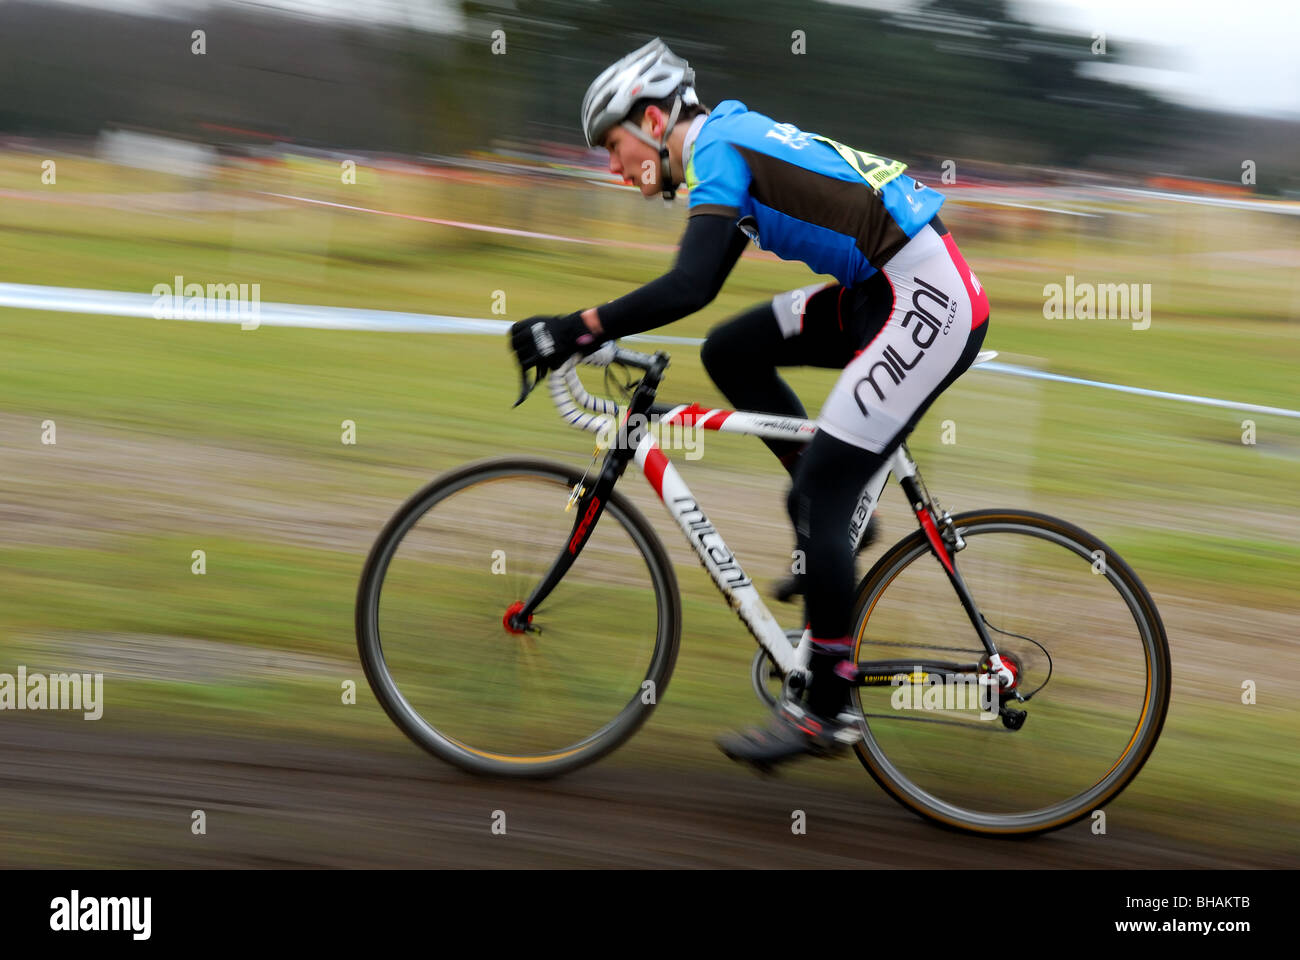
[(1155, 706), (452, 750)]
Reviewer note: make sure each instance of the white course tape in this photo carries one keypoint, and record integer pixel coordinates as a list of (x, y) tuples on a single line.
[(122, 304)]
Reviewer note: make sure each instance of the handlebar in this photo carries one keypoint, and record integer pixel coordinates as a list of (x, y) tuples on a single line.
[(579, 408)]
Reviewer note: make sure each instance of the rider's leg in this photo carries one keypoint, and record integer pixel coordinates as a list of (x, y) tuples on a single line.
[(935, 328), (935, 331), (822, 325), (825, 492), (826, 489), (804, 327), (741, 357)]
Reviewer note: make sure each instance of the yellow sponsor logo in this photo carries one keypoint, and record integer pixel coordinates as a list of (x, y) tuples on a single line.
[(895, 677)]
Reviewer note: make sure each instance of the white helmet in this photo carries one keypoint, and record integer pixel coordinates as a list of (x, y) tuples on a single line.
[(653, 72)]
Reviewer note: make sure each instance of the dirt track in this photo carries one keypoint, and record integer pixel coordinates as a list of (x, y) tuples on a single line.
[(83, 794), (128, 803)]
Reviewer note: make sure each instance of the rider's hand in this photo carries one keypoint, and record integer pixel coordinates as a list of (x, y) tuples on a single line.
[(549, 341), (546, 342)]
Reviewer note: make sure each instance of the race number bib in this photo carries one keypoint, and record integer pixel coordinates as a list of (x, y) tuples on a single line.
[(877, 171)]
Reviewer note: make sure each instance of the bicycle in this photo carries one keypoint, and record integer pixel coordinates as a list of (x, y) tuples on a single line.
[(531, 641)]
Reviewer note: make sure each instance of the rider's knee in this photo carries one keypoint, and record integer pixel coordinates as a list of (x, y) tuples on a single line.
[(797, 499), (809, 488), (718, 352), (711, 351)]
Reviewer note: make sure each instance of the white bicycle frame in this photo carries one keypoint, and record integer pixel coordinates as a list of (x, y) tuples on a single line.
[(601, 415)]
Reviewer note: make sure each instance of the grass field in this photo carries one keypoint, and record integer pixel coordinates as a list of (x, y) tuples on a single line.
[(174, 437)]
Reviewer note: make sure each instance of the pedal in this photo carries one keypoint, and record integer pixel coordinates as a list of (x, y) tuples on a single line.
[(851, 732), (1012, 719)]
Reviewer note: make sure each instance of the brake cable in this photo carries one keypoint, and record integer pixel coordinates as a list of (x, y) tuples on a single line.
[(625, 388)]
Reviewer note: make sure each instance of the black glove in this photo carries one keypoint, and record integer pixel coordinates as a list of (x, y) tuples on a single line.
[(546, 343)]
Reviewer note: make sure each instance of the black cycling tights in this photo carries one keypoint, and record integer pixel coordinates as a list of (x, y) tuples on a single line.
[(741, 357), (742, 354), (828, 481)]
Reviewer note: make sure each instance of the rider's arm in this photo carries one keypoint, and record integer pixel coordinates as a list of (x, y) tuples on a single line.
[(710, 247)]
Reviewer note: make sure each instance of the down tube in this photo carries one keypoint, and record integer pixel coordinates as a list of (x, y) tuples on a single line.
[(714, 553)]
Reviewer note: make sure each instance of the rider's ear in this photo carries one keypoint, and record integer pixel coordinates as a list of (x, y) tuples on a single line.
[(657, 120)]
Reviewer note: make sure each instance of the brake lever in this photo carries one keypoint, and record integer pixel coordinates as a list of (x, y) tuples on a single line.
[(524, 387)]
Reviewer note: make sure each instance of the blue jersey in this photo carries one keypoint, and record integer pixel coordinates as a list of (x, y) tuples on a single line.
[(803, 196)]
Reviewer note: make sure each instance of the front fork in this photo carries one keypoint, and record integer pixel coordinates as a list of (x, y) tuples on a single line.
[(588, 501), (945, 543)]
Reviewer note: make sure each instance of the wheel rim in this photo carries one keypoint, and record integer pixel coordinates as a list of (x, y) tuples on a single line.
[(1076, 749), (451, 672)]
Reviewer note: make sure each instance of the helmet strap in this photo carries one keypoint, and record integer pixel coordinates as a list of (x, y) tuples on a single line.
[(665, 164)]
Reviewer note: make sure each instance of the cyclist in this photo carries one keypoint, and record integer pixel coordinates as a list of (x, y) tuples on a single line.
[(905, 317)]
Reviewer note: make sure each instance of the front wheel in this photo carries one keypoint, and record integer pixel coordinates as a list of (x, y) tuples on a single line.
[(443, 654), (1091, 657)]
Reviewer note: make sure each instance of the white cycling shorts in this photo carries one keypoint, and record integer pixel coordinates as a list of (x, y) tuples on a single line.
[(938, 304)]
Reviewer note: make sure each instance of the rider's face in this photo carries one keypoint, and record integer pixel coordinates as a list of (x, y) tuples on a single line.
[(634, 160)]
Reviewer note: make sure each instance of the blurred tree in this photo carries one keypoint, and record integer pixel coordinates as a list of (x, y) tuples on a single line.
[(939, 80), (961, 79)]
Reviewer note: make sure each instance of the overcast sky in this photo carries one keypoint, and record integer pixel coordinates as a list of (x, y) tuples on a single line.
[(1242, 56)]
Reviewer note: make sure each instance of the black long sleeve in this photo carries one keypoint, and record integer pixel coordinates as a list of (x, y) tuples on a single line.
[(710, 248)]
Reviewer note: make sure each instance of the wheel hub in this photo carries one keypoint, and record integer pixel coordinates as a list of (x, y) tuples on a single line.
[(1011, 663), (511, 619)]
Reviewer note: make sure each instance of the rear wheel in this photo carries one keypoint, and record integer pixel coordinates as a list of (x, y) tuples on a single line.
[(1089, 649), (434, 621)]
